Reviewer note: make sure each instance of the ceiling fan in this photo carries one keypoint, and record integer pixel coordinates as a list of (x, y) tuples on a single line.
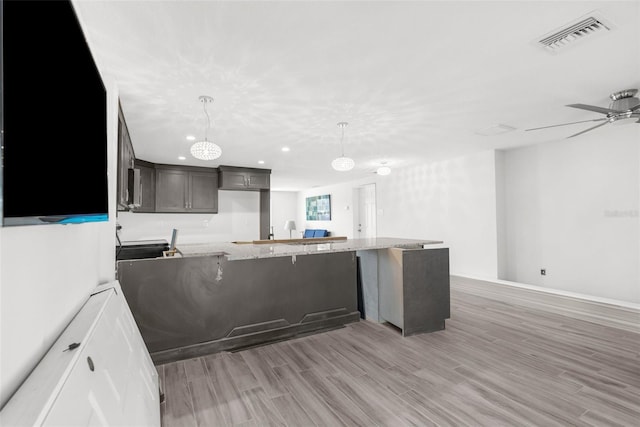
[(624, 108)]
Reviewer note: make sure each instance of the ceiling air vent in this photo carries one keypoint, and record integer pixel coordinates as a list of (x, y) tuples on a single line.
[(574, 32)]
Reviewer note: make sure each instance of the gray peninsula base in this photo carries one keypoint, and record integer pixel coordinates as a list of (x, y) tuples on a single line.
[(192, 306), (196, 305)]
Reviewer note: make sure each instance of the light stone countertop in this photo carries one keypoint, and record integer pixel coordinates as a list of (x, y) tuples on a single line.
[(235, 251)]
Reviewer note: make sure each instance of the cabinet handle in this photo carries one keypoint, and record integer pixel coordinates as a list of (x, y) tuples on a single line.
[(72, 346)]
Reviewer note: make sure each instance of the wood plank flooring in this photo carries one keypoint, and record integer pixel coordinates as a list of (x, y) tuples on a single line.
[(495, 364)]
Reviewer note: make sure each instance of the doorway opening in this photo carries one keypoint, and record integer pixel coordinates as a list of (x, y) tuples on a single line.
[(365, 212)]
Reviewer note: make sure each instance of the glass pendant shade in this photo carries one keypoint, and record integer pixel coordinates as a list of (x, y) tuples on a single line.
[(383, 170), (343, 164), (206, 150)]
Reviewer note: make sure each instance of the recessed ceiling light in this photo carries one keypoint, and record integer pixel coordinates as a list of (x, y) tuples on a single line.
[(191, 138), (182, 158), (285, 149), (261, 162)]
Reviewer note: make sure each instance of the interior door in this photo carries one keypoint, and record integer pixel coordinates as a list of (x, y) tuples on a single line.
[(366, 226)]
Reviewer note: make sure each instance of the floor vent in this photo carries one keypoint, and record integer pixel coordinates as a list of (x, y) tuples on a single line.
[(573, 32)]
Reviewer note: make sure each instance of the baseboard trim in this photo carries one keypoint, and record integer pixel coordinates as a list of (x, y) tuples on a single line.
[(618, 315)]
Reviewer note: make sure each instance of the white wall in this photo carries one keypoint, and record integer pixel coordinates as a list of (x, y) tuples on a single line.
[(572, 208), (238, 218), (46, 274), (453, 201), (284, 206), (342, 205)]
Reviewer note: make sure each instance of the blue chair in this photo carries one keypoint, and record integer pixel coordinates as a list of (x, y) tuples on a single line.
[(308, 233), (320, 233)]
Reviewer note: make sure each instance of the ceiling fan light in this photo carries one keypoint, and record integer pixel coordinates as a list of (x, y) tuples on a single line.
[(206, 150), (343, 164), (383, 170), (625, 120)]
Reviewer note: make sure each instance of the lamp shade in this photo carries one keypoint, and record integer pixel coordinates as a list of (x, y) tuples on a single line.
[(206, 150), (383, 170), (290, 225), (343, 164)]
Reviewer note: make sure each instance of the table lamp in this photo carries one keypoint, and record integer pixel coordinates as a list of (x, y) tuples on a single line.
[(290, 225)]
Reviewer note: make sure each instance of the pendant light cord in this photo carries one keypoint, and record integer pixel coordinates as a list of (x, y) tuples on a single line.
[(342, 126), (204, 107)]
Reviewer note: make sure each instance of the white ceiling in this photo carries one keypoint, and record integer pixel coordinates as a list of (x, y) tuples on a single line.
[(415, 80)]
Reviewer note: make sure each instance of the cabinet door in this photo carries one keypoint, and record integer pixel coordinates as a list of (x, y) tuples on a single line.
[(148, 184), (93, 392), (126, 158), (203, 192), (233, 180), (113, 381), (171, 190), (257, 181)]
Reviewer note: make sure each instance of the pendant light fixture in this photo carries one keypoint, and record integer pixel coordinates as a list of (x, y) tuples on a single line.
[(342, 163), (383, 169), (205, 149)]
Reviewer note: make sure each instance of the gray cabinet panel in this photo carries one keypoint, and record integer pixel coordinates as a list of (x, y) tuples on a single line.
[(126, 158), (239, 178), (258, 181), (171, 190), (203, 189), (186, 190), (232, 181), (414, 288), (148, 188), (210, 304)]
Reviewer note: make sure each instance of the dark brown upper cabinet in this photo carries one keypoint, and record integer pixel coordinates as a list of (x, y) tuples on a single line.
[(126, 157), (146, 186), (186, 189), (239, 178)]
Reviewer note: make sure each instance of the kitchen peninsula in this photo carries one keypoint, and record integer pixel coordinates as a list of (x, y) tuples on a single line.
[(212, 297)]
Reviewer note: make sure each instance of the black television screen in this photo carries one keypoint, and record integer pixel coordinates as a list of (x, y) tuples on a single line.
[(54, 118)]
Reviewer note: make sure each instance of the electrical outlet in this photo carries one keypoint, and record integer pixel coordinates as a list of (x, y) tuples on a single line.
[(543, 272)]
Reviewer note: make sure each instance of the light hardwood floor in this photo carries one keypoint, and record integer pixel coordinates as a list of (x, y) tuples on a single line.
[(495, 364)]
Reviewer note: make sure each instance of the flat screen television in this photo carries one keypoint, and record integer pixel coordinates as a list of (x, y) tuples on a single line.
[(53, 118)]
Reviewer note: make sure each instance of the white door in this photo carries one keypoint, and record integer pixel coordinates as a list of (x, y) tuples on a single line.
[(366, 221)]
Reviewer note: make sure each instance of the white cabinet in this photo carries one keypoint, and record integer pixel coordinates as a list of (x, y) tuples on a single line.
[(109, 379)]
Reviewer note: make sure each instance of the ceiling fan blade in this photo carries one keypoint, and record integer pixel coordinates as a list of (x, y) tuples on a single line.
[(594, 108), (587, 130), (572, 123)]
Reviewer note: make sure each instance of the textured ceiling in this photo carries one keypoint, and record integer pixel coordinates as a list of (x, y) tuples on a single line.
[(416, 80)]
